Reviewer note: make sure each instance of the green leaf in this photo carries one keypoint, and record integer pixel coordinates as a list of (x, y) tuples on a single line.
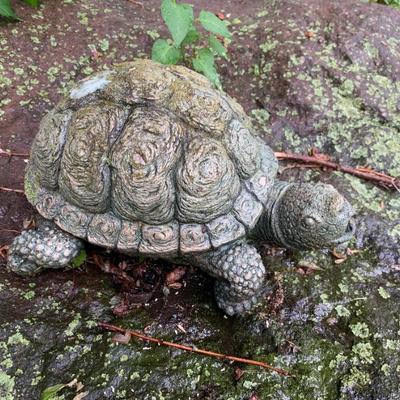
[(6, 9), (213, 24), (204, 63), (79, 259), (192, 36), (217, 46), (179, 19), (165, 53), (50, 392), (32, 3)]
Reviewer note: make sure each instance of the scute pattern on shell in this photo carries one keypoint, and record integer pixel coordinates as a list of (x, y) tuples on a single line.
[(139, 82), (151, 159), (48, 145), (243, 148), (160, 239), (85, 177), (200, 108), (206, 181), (143, 160), (49, 203), (246, 209), (194, 238), (73, 220), (103, 230), (260, 183), (129, 237)]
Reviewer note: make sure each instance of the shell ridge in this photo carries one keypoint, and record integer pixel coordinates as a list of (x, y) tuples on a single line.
[(143, 161), (37, 159)]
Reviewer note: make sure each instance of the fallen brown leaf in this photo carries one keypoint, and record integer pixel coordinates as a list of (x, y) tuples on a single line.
[(309, 265), (351, 252), (175, 285), (95, 54), (309, 34), (4, 251), (80, 396), (29, 223), (339, 256), (238, 373), (121, 338), (175, 275)]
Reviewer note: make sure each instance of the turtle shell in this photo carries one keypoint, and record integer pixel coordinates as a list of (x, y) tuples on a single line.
[(149, 158)]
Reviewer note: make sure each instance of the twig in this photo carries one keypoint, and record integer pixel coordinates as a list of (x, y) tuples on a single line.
[(294, 165), (9, 230), (138, 3), (5, 189), (139, 335), (11, 154), (379, 178)]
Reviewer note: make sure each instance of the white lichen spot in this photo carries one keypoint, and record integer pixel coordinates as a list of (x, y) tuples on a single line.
[(83, 19), (87, 70), (18, 71), (360, 329), (53, 41), (7, 384), (104, 45), (29, 295), (52, 73), (17, 339), (90, 85), (342, 311), (73, 325), (383, 293), (385, 369)]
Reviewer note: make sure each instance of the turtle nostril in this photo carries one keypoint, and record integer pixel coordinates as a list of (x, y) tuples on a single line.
[(351, 227)]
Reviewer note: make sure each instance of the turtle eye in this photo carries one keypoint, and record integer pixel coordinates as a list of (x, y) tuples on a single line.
[(309, 221)]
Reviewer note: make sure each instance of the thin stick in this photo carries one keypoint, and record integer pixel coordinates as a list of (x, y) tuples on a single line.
[(365, 173), (138, 3), (9, 230), (139, 335), (11, 154), (5, 189)]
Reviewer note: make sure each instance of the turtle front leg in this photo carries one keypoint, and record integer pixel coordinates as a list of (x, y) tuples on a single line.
[(240, 275), (45, 247)]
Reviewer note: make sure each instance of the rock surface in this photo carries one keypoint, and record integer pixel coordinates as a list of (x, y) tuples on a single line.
[(311, 73)]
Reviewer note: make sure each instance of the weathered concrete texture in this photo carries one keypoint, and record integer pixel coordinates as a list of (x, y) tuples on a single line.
[(330, 79), (332, 71), (312, 73)]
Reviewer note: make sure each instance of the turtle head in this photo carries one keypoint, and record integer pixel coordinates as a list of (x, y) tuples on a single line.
[(307, 216)]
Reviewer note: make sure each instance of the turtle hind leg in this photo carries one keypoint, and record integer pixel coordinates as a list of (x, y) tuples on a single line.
[(46, 247), (240, 275)]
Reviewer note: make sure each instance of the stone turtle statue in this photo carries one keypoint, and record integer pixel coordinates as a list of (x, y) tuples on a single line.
[(150, 159)]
